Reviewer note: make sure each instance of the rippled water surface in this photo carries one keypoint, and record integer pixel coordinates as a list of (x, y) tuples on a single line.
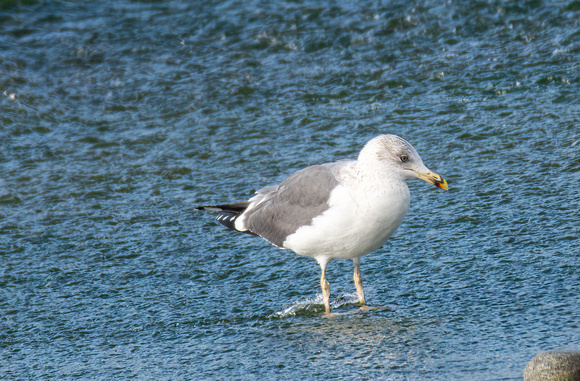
[(117, 118)]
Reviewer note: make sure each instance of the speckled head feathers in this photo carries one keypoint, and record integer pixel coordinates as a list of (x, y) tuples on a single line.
[(390, 149)]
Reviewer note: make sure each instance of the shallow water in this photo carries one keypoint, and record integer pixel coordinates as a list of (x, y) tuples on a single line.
[(117, 118)]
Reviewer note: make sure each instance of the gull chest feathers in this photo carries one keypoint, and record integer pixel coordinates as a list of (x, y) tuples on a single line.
[(364, 211)]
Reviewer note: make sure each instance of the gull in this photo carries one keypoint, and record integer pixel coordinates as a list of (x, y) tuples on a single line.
[(340, 210)]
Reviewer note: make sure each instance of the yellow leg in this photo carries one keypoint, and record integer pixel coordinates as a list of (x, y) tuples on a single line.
[(324, 285), (358, 282)]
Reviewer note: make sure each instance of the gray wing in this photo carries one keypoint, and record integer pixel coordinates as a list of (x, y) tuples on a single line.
[(279, 211)]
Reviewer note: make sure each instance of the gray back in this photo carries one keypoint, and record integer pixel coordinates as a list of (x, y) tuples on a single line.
[(293, 203)]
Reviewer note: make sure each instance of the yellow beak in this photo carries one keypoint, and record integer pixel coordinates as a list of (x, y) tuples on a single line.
[(433, 178)]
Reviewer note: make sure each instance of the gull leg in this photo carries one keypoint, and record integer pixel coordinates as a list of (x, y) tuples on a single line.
[(358, 282), (325, 287)]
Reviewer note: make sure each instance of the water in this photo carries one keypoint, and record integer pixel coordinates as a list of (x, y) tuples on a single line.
[(117, 118)]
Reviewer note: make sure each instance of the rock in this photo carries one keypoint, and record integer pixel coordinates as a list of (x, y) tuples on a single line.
[(554, 365)]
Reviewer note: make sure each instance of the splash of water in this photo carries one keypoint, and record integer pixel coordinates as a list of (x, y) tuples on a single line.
[(315, 306)]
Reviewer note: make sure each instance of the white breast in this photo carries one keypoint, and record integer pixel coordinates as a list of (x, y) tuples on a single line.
[(359, 220)]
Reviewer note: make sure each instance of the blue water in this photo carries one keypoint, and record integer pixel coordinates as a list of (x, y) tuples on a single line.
[(118, 118)]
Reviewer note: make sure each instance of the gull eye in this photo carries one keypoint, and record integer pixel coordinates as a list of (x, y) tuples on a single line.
[(404, 158)]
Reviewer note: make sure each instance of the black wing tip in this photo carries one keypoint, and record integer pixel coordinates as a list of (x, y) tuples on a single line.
[(211, 208), (228, 220), (235, 208)]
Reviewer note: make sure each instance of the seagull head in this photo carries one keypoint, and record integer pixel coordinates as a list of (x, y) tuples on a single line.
[(398, 157)]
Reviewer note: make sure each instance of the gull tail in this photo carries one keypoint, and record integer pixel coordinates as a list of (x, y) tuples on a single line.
[(228, 213)]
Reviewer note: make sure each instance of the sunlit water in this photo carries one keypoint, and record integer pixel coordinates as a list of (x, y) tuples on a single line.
[(117, 118)]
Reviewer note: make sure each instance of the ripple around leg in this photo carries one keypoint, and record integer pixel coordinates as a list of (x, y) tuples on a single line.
[(342, 305), (302, 307)]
